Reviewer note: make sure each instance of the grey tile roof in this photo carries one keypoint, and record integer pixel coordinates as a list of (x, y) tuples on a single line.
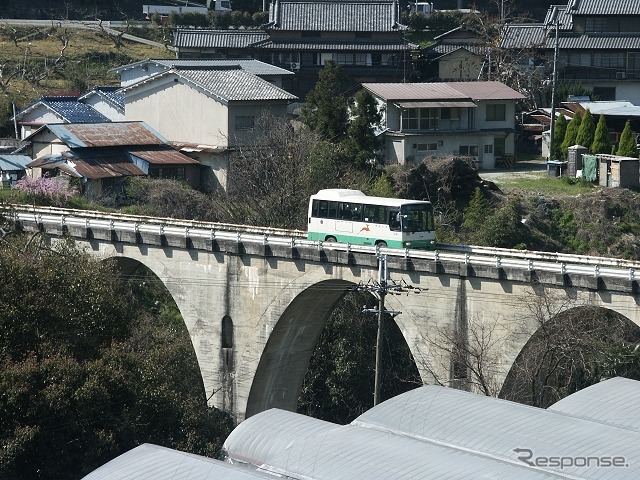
[(352, 46), (597, 42), (233, 84), (190, 38), (446, 48), (604, 7), (250, 65), (334, 16), (563, 15), (526, 35), (69, 109), (109, 93)]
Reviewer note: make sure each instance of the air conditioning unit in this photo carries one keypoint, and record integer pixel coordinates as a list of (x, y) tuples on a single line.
[(621, 75), (295, 66)]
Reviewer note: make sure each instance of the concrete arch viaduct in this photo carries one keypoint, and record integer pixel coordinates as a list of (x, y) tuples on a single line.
[(254, 302)]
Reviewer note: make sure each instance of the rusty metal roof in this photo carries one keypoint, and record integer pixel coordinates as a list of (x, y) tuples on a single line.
[(163, 157), (107, 134)]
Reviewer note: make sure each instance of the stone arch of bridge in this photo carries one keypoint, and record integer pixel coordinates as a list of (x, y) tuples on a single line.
[(284, 361), (554, 353)]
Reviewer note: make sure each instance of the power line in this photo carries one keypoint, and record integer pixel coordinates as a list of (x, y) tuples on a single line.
[(380, 289)]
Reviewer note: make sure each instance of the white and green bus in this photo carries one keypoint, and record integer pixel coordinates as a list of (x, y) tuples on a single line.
[(350, 216)]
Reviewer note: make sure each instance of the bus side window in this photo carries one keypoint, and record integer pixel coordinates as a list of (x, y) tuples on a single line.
[(356, 212), (344, 211), (394, 220), (333, 210), (370, 213), (323, 208)]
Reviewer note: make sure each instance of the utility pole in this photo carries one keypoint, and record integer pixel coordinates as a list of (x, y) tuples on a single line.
[(380, 289), (553, 89)]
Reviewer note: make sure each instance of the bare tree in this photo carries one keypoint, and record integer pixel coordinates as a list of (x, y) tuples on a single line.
[(271, 177)]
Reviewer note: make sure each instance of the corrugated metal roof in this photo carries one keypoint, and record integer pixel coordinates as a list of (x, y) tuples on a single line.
[(443, 91), (13, 162), (437, 104), (191, 38), (614, 402), (334, 16), (163, 157), (353, 46), (496, 427), (107, 134), (606, 7), (92, 165), (232, 84), (486, 90), (614, 108), (414, 91), (296, 446), (152, 462)]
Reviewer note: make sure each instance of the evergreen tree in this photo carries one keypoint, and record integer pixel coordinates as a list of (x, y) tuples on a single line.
[(361, 143), (601, 140), (587, 130), (326, 111), (627, 146), (559, 131), (475, 215), (571, 134)]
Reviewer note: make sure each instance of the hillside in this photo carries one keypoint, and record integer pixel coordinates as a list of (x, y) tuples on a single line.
[(132, 9)]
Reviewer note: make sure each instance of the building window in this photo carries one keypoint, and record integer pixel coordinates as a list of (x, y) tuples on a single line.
[(171, 173), (488, 148), (452, 113), (604, 93), (429, 147), (420, 118), (469, 150), (499, 146), (244, 122), (609, 59), (496, 112), (345, 59), (596, 24)]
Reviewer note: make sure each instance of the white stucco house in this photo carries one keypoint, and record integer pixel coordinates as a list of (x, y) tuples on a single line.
[(474, 119), (205, 112)]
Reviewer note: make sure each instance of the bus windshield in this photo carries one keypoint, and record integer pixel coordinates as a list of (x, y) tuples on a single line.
[(417, 218)]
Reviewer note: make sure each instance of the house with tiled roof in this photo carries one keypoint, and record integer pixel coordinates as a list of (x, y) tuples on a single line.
[(107, 100), (598, 46), (206, 111), (364, 37), (458, 55), (471, 119), (56, 109), (103, 155), (137, 71)]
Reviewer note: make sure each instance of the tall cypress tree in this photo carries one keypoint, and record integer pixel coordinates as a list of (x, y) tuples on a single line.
[(601, 140), (326, 110), (586, 131), (627, 146), (571, 133), (559, 131)]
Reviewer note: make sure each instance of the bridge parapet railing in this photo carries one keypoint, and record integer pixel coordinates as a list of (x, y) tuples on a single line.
[(460, 254)]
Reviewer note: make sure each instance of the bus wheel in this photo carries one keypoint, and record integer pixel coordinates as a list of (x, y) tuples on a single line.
[(330, 239), (381, 244)]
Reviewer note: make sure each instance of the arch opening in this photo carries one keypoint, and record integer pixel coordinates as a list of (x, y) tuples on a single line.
[(567, 353), (294, 341)]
